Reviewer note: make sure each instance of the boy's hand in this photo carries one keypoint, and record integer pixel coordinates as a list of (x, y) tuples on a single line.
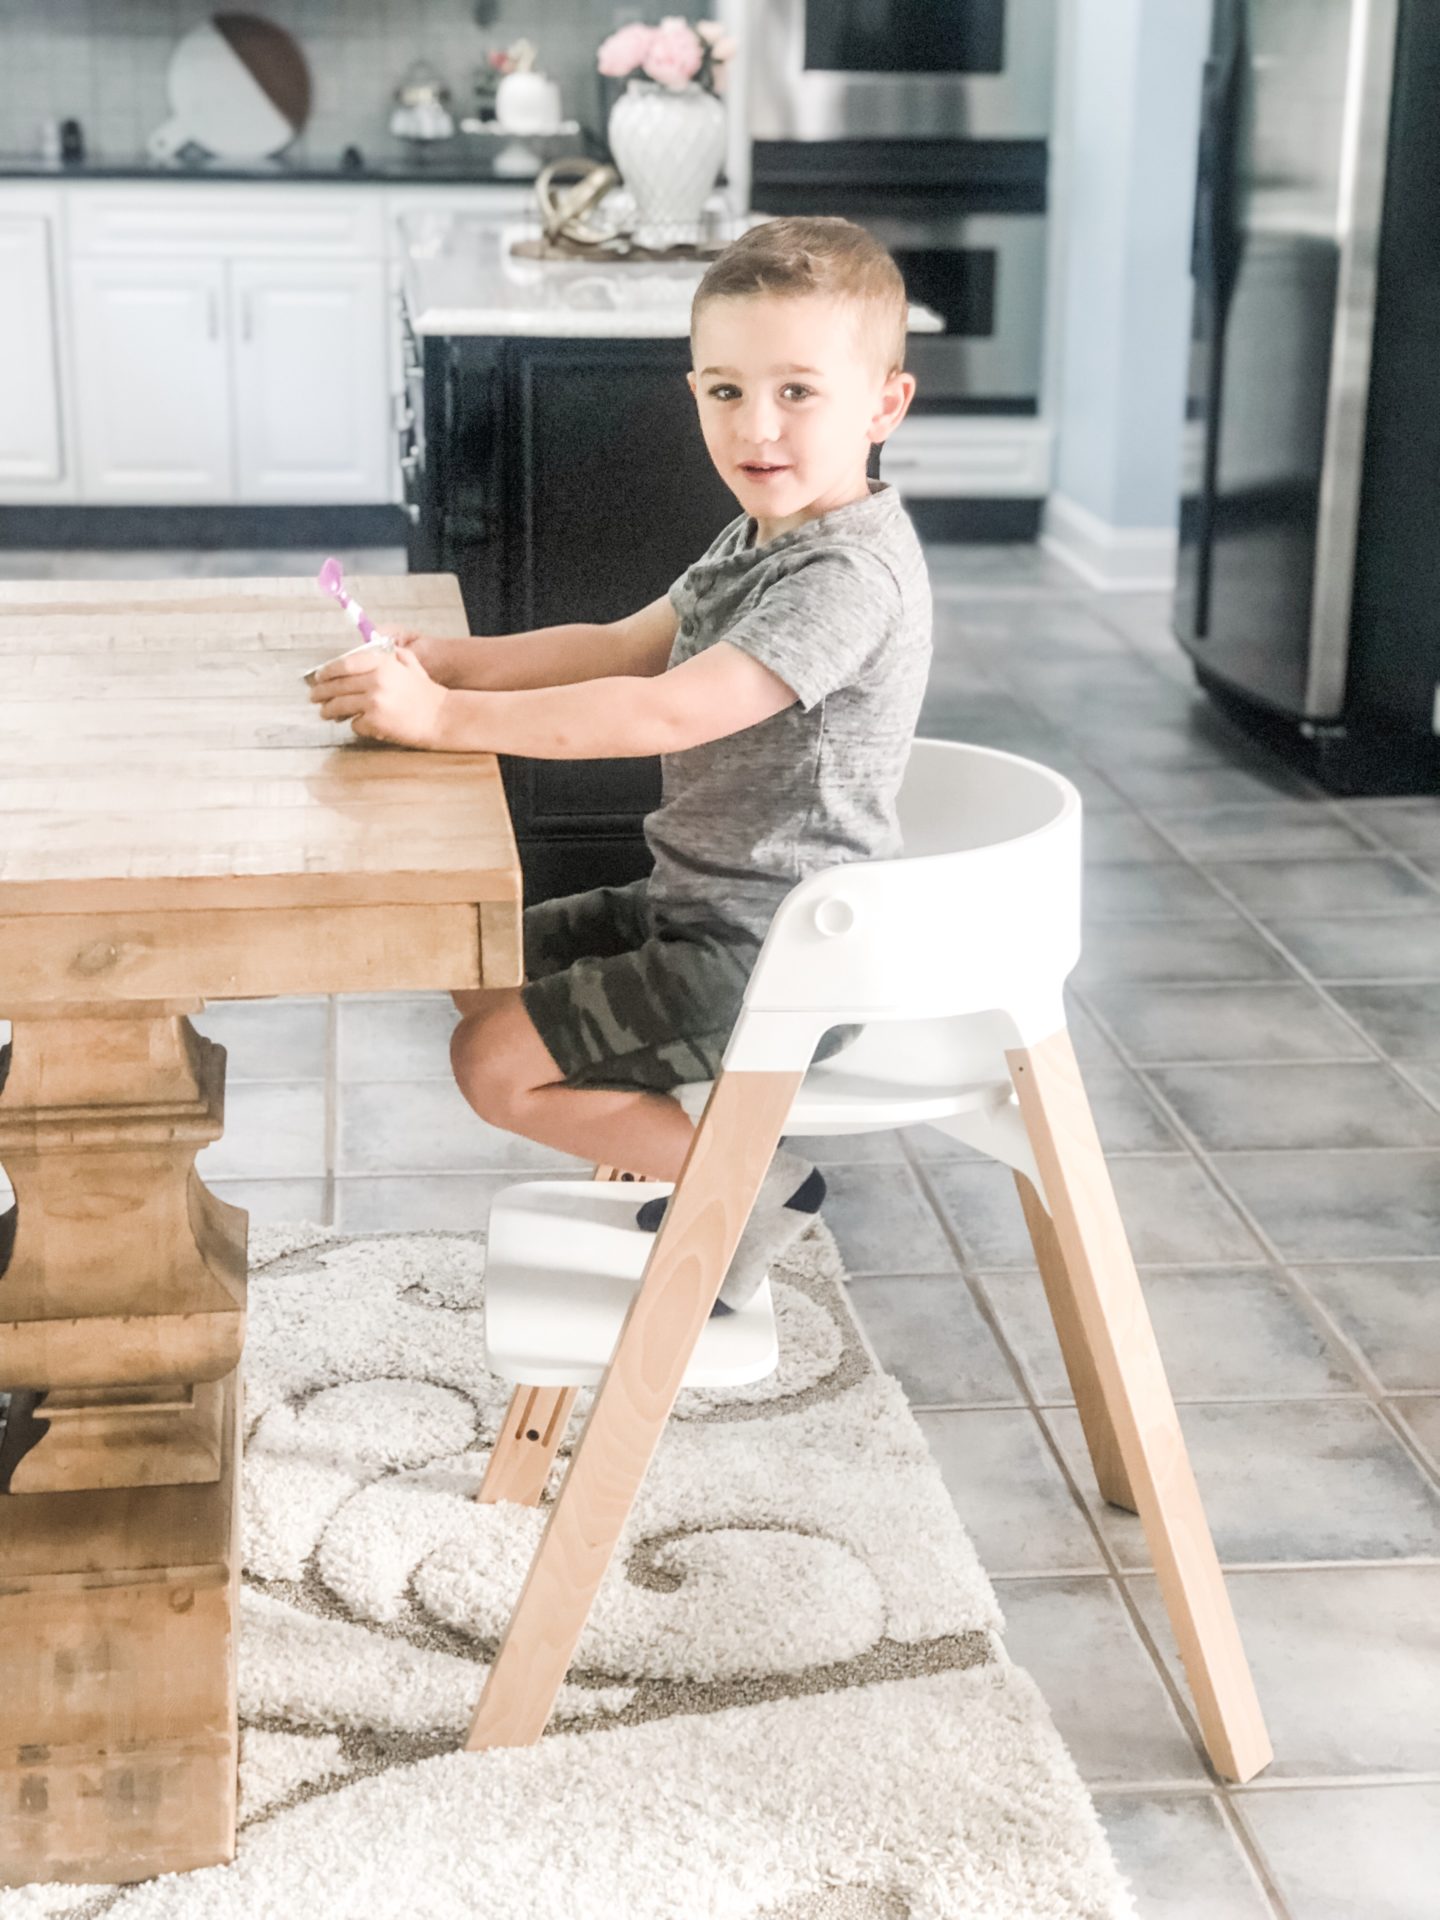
[(390, 697), (429, 650)]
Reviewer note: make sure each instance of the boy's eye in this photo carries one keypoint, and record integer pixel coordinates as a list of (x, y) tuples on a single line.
[(792, 390)]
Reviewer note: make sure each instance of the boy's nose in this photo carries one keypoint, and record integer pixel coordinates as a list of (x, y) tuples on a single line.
[(760, 423)]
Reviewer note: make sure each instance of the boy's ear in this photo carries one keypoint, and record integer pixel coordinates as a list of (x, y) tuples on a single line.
[(895, 397), (690, 376)]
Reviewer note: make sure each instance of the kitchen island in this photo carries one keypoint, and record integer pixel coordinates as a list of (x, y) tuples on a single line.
[(554, 463)]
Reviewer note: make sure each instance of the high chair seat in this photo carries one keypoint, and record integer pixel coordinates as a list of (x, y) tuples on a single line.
[(564, 1261), (896, 1075)]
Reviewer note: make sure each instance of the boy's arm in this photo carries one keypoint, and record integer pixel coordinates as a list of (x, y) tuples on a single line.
[(720, 691), (554, 656), (717, 692)]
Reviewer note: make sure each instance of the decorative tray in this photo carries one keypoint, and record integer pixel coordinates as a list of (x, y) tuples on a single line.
[(619, 248)]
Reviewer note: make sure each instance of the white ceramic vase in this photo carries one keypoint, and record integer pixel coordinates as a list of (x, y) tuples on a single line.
[(527, 102), (668, 144)]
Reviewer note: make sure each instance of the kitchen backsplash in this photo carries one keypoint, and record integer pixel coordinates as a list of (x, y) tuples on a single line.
[(103, 62)]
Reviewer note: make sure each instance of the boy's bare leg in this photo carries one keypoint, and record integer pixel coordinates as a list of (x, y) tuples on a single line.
[(511, 1079), (508, 1075)]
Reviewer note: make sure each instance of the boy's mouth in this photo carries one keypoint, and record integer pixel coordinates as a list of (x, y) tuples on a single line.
[(761, 469)]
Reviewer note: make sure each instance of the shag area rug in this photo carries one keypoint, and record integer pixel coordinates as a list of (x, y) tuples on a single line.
[(791, 1701)]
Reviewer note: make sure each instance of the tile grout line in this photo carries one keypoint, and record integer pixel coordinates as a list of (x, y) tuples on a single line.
[(1250, 1849), (1340, 1782), (1402, 856), (1351, 1397)]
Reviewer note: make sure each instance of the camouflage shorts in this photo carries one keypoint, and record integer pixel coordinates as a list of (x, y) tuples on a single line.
[(623, 1000)]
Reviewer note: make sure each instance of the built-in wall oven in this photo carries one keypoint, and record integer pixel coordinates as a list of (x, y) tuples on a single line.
[(901, 69), (928, 121)]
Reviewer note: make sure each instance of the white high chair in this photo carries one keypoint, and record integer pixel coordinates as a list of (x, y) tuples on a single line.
[(954, 958)]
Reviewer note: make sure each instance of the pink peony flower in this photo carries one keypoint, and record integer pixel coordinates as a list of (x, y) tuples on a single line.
[(625, 50), (675, 53)]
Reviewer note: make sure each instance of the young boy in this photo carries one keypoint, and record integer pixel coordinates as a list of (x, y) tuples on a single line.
[(779, 679)]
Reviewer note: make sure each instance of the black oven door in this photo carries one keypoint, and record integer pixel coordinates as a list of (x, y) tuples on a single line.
[(905, 36)]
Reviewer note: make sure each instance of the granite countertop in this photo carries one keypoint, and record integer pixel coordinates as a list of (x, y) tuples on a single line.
[(461, 278), (467, 159)]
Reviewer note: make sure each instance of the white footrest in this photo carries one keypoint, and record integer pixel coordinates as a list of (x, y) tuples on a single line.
[(564, 1259)]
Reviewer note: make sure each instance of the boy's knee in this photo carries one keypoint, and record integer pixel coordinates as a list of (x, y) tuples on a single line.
[(484, 1073)]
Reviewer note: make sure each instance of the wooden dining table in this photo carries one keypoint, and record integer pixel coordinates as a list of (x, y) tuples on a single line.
[(177, 824)]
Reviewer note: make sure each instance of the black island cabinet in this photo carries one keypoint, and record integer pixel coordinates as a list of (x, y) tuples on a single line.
[(559, 480)]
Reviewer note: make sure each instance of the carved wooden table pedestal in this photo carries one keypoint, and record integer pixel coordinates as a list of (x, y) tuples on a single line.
[(118, 1586)]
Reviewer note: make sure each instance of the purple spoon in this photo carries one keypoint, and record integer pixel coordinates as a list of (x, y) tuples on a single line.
[(330, 579)]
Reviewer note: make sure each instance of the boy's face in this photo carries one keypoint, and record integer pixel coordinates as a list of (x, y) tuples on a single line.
[(791, 395)]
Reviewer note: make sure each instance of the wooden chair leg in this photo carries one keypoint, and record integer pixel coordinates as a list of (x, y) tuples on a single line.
[(732, 1149), (1136, 1395), (1099, 1430), (533, 1429), (525, 1446)]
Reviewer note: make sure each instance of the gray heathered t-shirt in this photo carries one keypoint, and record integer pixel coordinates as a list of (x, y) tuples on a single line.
[(840, 609)]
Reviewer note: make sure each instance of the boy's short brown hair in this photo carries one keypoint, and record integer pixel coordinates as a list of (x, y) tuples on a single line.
[(818, 254)]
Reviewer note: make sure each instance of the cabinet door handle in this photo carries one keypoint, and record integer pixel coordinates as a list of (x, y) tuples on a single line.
[(247, 316), (212, 314)]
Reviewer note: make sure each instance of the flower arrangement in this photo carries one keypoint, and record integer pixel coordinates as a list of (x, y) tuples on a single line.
[(517, 58), (675, 53)]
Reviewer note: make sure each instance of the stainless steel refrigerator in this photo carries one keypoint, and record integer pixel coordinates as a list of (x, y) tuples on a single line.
[(1308, 591)]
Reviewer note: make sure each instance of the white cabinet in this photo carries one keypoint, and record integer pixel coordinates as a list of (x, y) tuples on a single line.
[(152, 380), (311, 385), (32, 447), (168, 343), (230, 345)]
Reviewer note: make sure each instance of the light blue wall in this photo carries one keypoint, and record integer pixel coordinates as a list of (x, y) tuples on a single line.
[(1133, 112)]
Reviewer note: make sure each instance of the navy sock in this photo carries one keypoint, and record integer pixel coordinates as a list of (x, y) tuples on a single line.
[(808, 1197)]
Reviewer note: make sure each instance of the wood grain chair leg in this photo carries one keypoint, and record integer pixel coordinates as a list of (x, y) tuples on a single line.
[(526, 1445), (534, 1426), (1095, 1421), (727, 1161), (1136, 1395)]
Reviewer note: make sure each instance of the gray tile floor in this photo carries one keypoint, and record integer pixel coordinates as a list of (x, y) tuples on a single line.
[(1258, 1012)]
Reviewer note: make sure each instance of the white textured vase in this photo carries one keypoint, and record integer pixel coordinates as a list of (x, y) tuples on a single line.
[(668, 144)]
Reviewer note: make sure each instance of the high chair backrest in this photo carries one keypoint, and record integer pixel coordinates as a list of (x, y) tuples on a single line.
[(981, 912)]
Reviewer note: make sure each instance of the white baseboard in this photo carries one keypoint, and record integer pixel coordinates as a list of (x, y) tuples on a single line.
[(1118, 559)]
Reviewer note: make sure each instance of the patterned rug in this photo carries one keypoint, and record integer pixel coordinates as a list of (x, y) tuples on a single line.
[(791, 1701)]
